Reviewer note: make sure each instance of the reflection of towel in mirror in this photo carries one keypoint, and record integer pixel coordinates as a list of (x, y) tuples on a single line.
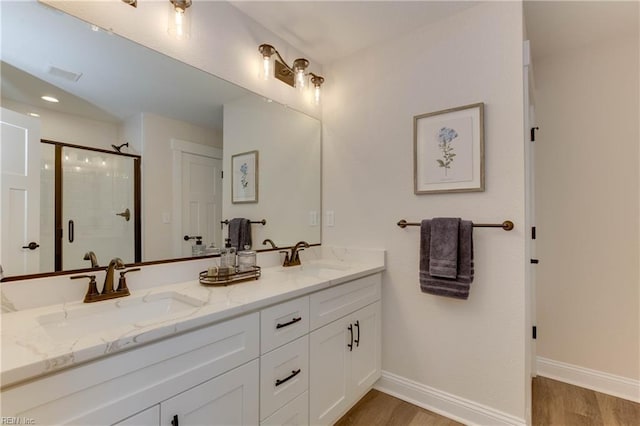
[(457, 287), (240, 232)]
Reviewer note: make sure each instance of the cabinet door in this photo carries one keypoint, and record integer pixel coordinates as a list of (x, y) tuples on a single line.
[(365, 358), (148, 417), (229, 399), (329, 370)]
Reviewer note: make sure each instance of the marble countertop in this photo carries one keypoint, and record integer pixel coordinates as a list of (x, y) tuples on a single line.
[(32, 347)]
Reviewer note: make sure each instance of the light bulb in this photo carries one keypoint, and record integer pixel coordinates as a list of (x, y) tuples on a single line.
[(300, 79), (266, 51), (317, 81), (179, 24), (179, 19), (316, 95), (266, 67)]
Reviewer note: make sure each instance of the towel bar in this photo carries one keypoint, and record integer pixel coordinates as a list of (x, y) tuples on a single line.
[(507, 225), (263, 221)]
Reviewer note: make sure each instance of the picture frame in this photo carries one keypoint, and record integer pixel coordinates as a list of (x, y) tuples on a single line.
[(244, 177), (448, 150)]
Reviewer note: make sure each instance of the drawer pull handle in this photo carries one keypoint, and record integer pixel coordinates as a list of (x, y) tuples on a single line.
[(350, 345), (174, 422), (293, 321), (294, 373), (357, 340)]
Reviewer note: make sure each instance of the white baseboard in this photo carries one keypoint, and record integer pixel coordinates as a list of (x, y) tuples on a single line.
[(621, 387), (443, 403)]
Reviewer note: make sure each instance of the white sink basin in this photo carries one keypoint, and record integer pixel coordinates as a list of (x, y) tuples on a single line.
[(100, 316)]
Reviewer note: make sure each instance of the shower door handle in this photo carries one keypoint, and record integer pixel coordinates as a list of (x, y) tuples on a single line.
[(71, 231)]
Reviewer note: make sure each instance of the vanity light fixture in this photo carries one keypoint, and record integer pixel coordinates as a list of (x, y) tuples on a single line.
[(295, 76), (179, 20)]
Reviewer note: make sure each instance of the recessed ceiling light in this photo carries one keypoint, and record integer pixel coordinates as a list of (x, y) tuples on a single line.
[(50, 99), (33, 114)]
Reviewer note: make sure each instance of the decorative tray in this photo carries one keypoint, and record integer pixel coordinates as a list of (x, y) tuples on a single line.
[(226, 279)]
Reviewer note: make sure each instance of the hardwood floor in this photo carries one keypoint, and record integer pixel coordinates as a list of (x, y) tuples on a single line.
[(554, 403), (377, 408), (558, 403)]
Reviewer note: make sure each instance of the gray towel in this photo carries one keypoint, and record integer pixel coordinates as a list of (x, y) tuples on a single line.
[(240, 233), (443, 260), (451, 287)]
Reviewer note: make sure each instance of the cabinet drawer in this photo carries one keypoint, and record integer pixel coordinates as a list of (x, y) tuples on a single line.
[(295, 413), (284, 374), (283, 323), (333, 303)]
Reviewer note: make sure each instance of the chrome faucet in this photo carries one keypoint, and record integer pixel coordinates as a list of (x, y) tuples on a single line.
[(92, 257), (294, 259), (107, 289)]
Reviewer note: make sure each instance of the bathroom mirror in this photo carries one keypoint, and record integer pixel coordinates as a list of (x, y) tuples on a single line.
[(184, 124)]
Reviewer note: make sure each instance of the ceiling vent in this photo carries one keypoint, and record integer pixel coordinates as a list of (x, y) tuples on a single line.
[(67, 75)]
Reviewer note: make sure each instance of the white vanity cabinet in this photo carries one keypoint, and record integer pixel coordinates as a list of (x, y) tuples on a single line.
[(345, 353), (229, 399), (114, 388), (284, 363), (150, 416), (299, 362)]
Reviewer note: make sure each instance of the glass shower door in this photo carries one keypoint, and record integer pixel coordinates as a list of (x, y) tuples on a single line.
[(98, 210)]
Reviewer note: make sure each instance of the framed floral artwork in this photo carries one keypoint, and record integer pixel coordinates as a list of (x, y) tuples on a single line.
[(244, 177), (448, 150)]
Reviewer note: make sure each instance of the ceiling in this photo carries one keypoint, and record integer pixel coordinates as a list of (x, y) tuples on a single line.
[(556, 26), (330, 30)]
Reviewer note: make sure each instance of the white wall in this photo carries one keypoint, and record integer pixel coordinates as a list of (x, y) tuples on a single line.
[(288, 144), (474, 349), (157, 166), (588, 285), (68, 128)]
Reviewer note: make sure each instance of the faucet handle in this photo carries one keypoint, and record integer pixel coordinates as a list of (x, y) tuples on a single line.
[(122, 282), (286, 257), (92, 291)]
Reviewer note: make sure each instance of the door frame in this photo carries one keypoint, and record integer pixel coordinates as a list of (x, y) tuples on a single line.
[(178, 148)]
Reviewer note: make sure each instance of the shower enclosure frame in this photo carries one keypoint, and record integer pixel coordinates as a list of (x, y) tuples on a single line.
[(58, 189)]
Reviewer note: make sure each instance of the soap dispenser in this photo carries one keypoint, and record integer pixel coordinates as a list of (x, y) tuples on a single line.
[(197, 249), (228, 255)]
